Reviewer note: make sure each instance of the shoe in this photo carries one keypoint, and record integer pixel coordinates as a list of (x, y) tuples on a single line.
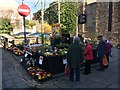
[(71, 81), (85, 73), (100, 69), (110, 55), (89, 72), (106, 66)]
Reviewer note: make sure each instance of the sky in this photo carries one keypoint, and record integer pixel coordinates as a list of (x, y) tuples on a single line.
[(34, 5)]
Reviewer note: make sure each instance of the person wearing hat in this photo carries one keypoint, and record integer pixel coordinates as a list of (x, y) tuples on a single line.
[(101, 51)]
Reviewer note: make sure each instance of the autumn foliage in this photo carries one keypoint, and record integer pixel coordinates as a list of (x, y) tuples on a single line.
[(47, 28)]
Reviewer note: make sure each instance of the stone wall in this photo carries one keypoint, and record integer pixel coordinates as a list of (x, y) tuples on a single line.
[(115, 37), (100, 25), (102, 17)]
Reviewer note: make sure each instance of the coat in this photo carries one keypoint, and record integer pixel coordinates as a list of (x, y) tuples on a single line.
[(88, 52), (74, 55), (108, 48), (101, 49)]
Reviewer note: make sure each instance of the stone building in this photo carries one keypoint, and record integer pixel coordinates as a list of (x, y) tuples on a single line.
[(98, 19), (8, 9)]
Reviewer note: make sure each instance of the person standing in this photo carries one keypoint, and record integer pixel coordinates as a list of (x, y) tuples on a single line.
[(108, 49), (101, 51), (88, 53), (52, 42), (74, 58)]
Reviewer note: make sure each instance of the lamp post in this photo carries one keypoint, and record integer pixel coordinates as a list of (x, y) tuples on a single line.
[(76, 18), (83, 25), (110, 17), (42, 21), (59, 11)]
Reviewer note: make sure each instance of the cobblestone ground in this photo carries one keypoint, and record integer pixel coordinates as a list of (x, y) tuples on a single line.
[(15, 76)]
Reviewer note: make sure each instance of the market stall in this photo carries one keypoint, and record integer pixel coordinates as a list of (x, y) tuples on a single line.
[(42, 57), (53, 64), (51, 61)]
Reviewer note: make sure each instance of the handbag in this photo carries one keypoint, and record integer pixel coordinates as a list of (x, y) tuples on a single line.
[(105, 61), (67, 70)]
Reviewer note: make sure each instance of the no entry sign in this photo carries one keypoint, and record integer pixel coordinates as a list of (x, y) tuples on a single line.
[(23, 10)]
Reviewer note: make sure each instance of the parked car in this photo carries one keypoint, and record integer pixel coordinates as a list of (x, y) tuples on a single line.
[(39, 35), (46, 35), (35, 34), (21, 34)]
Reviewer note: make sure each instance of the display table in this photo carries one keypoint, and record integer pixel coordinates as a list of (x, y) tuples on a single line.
[(53, 64)]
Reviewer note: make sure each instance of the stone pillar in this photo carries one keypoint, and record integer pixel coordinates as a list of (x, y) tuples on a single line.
[(102, 17), (116, 23)]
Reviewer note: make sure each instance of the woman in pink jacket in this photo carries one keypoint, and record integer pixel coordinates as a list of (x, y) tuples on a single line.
[(88, 53)]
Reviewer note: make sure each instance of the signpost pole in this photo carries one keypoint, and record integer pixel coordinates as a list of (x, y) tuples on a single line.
[(24, 11), (24, 24)]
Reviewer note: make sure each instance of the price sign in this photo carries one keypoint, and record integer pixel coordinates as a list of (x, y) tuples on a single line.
[(64, 61), (26, 55), (40, 60)]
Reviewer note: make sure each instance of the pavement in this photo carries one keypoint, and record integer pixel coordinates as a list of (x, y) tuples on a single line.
[(15, 76)]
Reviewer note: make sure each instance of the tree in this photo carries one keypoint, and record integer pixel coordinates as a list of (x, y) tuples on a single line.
[(27, 23), (67, 17), (5, 24), (37, 15), (30, 23), (47, 28), (51, 15)]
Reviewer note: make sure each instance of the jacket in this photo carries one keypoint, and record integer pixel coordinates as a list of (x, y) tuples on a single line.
[(88, 52), (75, 55), (108, 48), (101, 49)]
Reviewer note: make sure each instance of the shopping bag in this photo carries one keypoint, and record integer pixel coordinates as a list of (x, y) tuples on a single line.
[(67, 70), (105, 61)]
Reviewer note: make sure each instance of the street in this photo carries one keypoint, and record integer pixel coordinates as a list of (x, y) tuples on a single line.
[(15, 76)]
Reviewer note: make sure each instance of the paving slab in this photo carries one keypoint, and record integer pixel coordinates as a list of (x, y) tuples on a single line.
[(9, 83), (50, 85), (17, 80), (80, 85), (114, 85), (21, 85), (20, 78)]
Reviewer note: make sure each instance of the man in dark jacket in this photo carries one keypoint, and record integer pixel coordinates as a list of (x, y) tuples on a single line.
[(101, 51), (74, 58)]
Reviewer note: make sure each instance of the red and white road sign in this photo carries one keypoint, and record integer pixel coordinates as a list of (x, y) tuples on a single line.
[(23, 10)]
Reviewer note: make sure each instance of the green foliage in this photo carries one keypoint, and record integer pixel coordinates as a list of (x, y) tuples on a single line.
[(27, 21), (4, 31), (67, 15), (29, 24), (37, 15), (51, 13), (94, 44), (32, 24), (5, 25)]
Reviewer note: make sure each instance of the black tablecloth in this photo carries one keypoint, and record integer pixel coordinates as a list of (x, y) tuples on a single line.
[(53, 64)]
